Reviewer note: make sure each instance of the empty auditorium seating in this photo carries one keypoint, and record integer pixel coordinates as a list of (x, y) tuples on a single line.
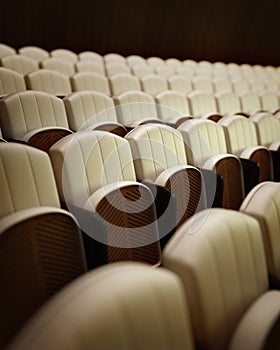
[(133, 60), (250, 102), (172, 107), (220, 257), (59, 65), (10, 81), (94, 171), (90, 81), (203, 104), (202, 84), (49, 81), (89, 66), (19, 63), (240, 86), (135, 107), (122, 82), (33, 117), (164, 71), (206, 148), (6, 50), (40, 244), (115, 68), (228, 103), (269, 102), (180, 84), (117, 307), (92, 110), (114, 58), (140, 70), (65, 54), (222, 85), (241, 140), (155, 61), (36, 53), (90, 56), (152, 84)]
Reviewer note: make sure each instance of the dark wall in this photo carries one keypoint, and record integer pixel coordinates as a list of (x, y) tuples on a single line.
[(231, 31)]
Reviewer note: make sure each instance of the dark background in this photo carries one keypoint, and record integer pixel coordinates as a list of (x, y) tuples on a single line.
[(241, 31)]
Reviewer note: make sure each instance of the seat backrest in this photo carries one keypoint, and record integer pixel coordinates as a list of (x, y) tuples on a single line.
[(119, 306), (180, 84), (133, 60), (133, 106), (203, 139), (240, 133), (10, 81), (250, 102), (222, 84), (152, 84), (122, 82), (19, 63), (240, 86), (6, 50), (219, 255), (59, 65), (115, 68), (140, 70), (269, 101), (83, 163), (91, 56), (173, 62), (155, 148), (171, 104), (155, 61), (202, 84), (113, 57), (85, 108), (164, 71), (201, 103), (36, 53), (89, 66), (268, 128), (90, 81), (23, 112), (263, 203), (228, 103), (49, 81), (36, 184), (65, 54)]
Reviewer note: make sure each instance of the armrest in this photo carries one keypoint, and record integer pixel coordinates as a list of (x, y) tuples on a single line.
[(251, 173)]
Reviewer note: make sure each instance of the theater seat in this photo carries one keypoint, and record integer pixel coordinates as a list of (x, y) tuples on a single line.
[(90, 81), (10, 82), (6, 50), (65, 54), (123, 82), (19, 64), (41, 246), (33, 117), (94, 171), (152, 84), (35, 52), (117, 307), (203, 104), (58, 65), (220, 257)]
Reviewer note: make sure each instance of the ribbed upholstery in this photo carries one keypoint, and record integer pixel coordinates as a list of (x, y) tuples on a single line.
[(115, 68), (228, 103), (122, 82), (90, 66), (23, 112), (19, 63), (91, 56), (49, 81), (263, 203), (164, 71), (173, 62), (59, 65), (180, 84), (250, 102), (152, 84), (201, 103), (140, 70), (155, 61), (65, 54), (219, 255), (240, 85), (36, 53), (90, 81), (10, 81), (171, 106), (134, 107), (113, 57), (202, 84), (241, 139), (269, 102), (121, 307), (222, 84), (133, 60)]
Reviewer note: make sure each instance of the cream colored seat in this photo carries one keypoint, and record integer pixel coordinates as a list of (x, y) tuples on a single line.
[(269, 102), (19, 64), (6, 50), (10, 81), (33, 117), (202, 84), (250, 102), (222, 85), (91, 56), (180, 84), (159, 157), (118, 307), (58, 65), (268, 130), (116, 68), (140, 70), (240, 86), (94, 171), (155, 61), (206, 148), (164, 71), (133, 60), (173, 62), (135, 107), (49, 81), (89, 66), (114, 58), (41, 247), (228, 103), (241, 140), (123, 82), (219, 255), (35, 52), (263, 203), (203, 104), (65, 54), (186, 72), (92, 110), (90, 81), (172, 107), (152, 84), (257, 85)]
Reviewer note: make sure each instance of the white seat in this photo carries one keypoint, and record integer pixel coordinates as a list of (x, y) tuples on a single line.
[(90, 81), (180, 84), (10, 81), (65, 54), (123, 82), (152, 84), (59, 65), (35, 52), (19, 63)]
